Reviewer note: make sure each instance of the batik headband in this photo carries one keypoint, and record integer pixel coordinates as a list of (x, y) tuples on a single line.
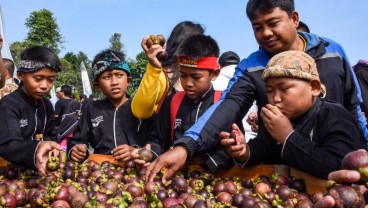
[(209, 62), (112, 62), (31, 66)]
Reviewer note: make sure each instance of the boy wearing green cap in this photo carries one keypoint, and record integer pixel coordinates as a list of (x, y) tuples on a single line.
[(300, 129), (109, 125)]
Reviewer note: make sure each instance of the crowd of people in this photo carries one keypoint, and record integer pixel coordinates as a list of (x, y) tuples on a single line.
[(295, 101)]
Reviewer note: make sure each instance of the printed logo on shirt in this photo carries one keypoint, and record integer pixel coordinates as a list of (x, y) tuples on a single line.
[(23, 123), (177, 122), (96, 121)]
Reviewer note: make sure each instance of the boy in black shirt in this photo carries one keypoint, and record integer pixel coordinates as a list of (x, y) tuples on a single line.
[(197, 61), (25, 125), (300, 129), (108, 125)]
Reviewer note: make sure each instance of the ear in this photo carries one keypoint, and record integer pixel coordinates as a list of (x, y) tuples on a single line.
[(97, 86), (20, 75), (316, 87), (215, 73), (129, 79), (295, 18)]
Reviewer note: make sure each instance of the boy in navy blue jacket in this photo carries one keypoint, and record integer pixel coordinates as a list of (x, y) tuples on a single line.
[(197, 61), (109, 125), (300, 129)]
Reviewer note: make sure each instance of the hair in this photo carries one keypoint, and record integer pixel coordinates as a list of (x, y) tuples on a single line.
[(9, 66), (181, 31), (264, 6), (107, 53), (42, 54), (303, 27), (67, 90), (198, 46), (83, 96)]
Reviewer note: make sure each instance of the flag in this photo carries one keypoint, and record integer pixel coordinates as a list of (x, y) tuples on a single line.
[(85, 80), (5, 51)]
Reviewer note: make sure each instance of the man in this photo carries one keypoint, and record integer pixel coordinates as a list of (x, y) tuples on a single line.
[(275, 25), (10, 84), (63, 105)]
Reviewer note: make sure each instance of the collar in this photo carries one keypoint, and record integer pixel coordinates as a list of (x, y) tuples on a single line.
[(299, 122)]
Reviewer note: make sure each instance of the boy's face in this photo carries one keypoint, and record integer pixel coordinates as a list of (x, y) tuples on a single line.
[(114, 84), (291, 95), (275, 31), (196, 82), (37, 84)]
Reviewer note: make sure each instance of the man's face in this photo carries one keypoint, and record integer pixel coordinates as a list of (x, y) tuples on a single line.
[(275, 31), (37, 84)]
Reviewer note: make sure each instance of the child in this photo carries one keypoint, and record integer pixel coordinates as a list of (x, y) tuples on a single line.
[(197, 60), (300, 129), (109, 125), (26, 111)]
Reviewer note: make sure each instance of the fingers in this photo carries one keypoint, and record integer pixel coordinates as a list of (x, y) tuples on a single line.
[(344, 176), (169, 173), (144, 43), (78, 153), (150, 175), (148, 146)]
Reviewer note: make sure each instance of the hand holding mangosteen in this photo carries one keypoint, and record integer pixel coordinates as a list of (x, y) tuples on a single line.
[(234, 143), (153, 45), (143, 156), (122, 152), (42, 154)]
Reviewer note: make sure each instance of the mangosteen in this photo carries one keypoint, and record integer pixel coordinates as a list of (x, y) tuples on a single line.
[(135, 190), (170, 202), (194, 174), (191, 200), (78, 200), (354, 160), (68, 174), (218, 187), (63, 194), (316, 197), (299, 185), (145, 154), (247, 183), (305, 204), (52, 163), (224, 197), (230, 187), (179, 184), (200, 204), (279, 180), (261, 188), (162, 195), (285, 192), (60, 204), (8, 200), (346, 196), (238, 199), (129, 164), (111, 186), (151, 187)]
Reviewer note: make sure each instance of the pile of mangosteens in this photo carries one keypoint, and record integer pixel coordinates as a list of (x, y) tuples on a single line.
[(93, 185)]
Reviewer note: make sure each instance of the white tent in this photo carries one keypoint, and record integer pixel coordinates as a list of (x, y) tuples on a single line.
[(5, 51), (85, 80)]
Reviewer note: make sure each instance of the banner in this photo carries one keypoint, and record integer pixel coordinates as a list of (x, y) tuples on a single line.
[(85, 80)]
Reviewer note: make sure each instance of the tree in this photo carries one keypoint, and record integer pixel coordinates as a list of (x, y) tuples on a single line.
[(116, 44), (16, 48), (137, 69), (43, 30)]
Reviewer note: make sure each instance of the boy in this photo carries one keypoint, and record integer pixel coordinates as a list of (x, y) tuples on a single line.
[(25, 125), (109, 125), (300, 129), (197, 61), (275, 25), (10, 84)]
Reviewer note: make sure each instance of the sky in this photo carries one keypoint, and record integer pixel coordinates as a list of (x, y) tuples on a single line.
[(87, 25)]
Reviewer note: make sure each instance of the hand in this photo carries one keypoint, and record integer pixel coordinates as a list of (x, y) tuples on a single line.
[(172, 160), (276, 123), (340, 176), (152, 52), (235, 147), (122, 152), (252, 120), (135, 156), (79, 152), (43, 150)]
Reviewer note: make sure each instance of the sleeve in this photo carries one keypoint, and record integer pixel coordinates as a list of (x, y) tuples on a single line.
[(362, 76), (232, 107), (81, 133), (333, 138), (160, 138), (149, 93), (58, 108), (12, 143)]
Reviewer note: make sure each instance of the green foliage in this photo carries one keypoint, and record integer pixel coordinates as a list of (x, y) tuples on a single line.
[(43, 30), (16, 48), (137, 68), (115, 42)]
